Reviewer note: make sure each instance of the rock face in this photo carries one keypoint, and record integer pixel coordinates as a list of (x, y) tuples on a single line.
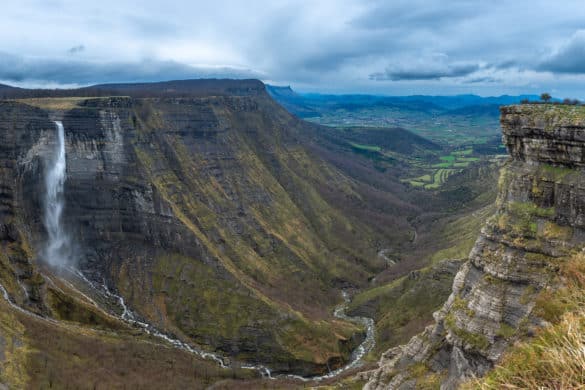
[(25, 134), (540, 219)]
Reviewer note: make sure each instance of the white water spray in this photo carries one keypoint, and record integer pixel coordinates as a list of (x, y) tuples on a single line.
[(58, 242)]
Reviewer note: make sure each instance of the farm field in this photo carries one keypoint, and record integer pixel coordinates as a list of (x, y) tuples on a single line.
[(435, 175), (446, 129), (428, 139)]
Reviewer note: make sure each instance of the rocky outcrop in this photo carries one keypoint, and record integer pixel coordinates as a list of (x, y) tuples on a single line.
[(25, 134), (545, 134), (540, 219)]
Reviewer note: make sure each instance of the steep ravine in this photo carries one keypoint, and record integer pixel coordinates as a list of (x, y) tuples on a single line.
[(206, 213), (130, 317), (539, 222), (219, 219)]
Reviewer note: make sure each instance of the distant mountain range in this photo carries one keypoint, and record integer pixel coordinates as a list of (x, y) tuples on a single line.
[(175, 88), (313, 104)]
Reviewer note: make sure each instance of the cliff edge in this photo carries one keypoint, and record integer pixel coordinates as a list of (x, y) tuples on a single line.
[(539, 223)]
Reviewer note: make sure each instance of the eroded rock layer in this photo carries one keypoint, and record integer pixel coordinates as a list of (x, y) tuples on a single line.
[(540, 220)]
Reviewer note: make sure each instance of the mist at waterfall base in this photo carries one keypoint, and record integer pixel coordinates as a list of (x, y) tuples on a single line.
[(57, 252)]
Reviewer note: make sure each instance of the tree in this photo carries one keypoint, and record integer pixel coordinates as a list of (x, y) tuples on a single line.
[(545, 97)]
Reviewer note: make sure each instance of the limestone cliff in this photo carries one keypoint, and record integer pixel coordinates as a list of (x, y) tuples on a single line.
[(539, 222)]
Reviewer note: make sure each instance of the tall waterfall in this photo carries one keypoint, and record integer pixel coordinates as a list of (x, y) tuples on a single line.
[(57, 250)]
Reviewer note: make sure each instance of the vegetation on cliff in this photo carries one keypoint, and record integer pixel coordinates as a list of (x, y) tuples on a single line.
[(546, 116), (524, 272), (553, 358)]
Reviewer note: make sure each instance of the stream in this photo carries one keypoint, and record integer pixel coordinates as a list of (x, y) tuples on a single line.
[(355, 360), (131, 318)]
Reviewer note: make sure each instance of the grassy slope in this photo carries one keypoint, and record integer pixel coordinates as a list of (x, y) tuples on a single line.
[(403, 307), (279, 263), (41, 354), (555, 357), (84, 347)]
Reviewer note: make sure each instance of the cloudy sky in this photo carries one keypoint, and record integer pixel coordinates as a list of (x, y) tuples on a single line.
[(487, 47)]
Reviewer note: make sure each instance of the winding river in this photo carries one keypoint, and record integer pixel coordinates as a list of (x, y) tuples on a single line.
[(356, 358), (129, 317)]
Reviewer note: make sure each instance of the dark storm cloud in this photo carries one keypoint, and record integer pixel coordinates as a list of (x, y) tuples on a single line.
[(334, 45), (429, 73), (569, 57), (18, 69)]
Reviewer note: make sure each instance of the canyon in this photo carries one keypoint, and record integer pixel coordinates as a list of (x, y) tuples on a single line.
[(203, 231), (200, 211)]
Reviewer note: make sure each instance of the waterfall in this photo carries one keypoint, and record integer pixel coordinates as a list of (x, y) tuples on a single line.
[(58, 254), (58, 242)]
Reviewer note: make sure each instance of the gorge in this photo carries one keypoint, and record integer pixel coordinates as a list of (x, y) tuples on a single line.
[(201, 205), (208, 237)]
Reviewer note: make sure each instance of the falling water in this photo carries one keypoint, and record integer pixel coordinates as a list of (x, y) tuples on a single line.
[(58, 242)]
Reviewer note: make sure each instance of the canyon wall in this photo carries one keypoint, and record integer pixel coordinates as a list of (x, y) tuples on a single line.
[(207, 207), (539, 222)]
